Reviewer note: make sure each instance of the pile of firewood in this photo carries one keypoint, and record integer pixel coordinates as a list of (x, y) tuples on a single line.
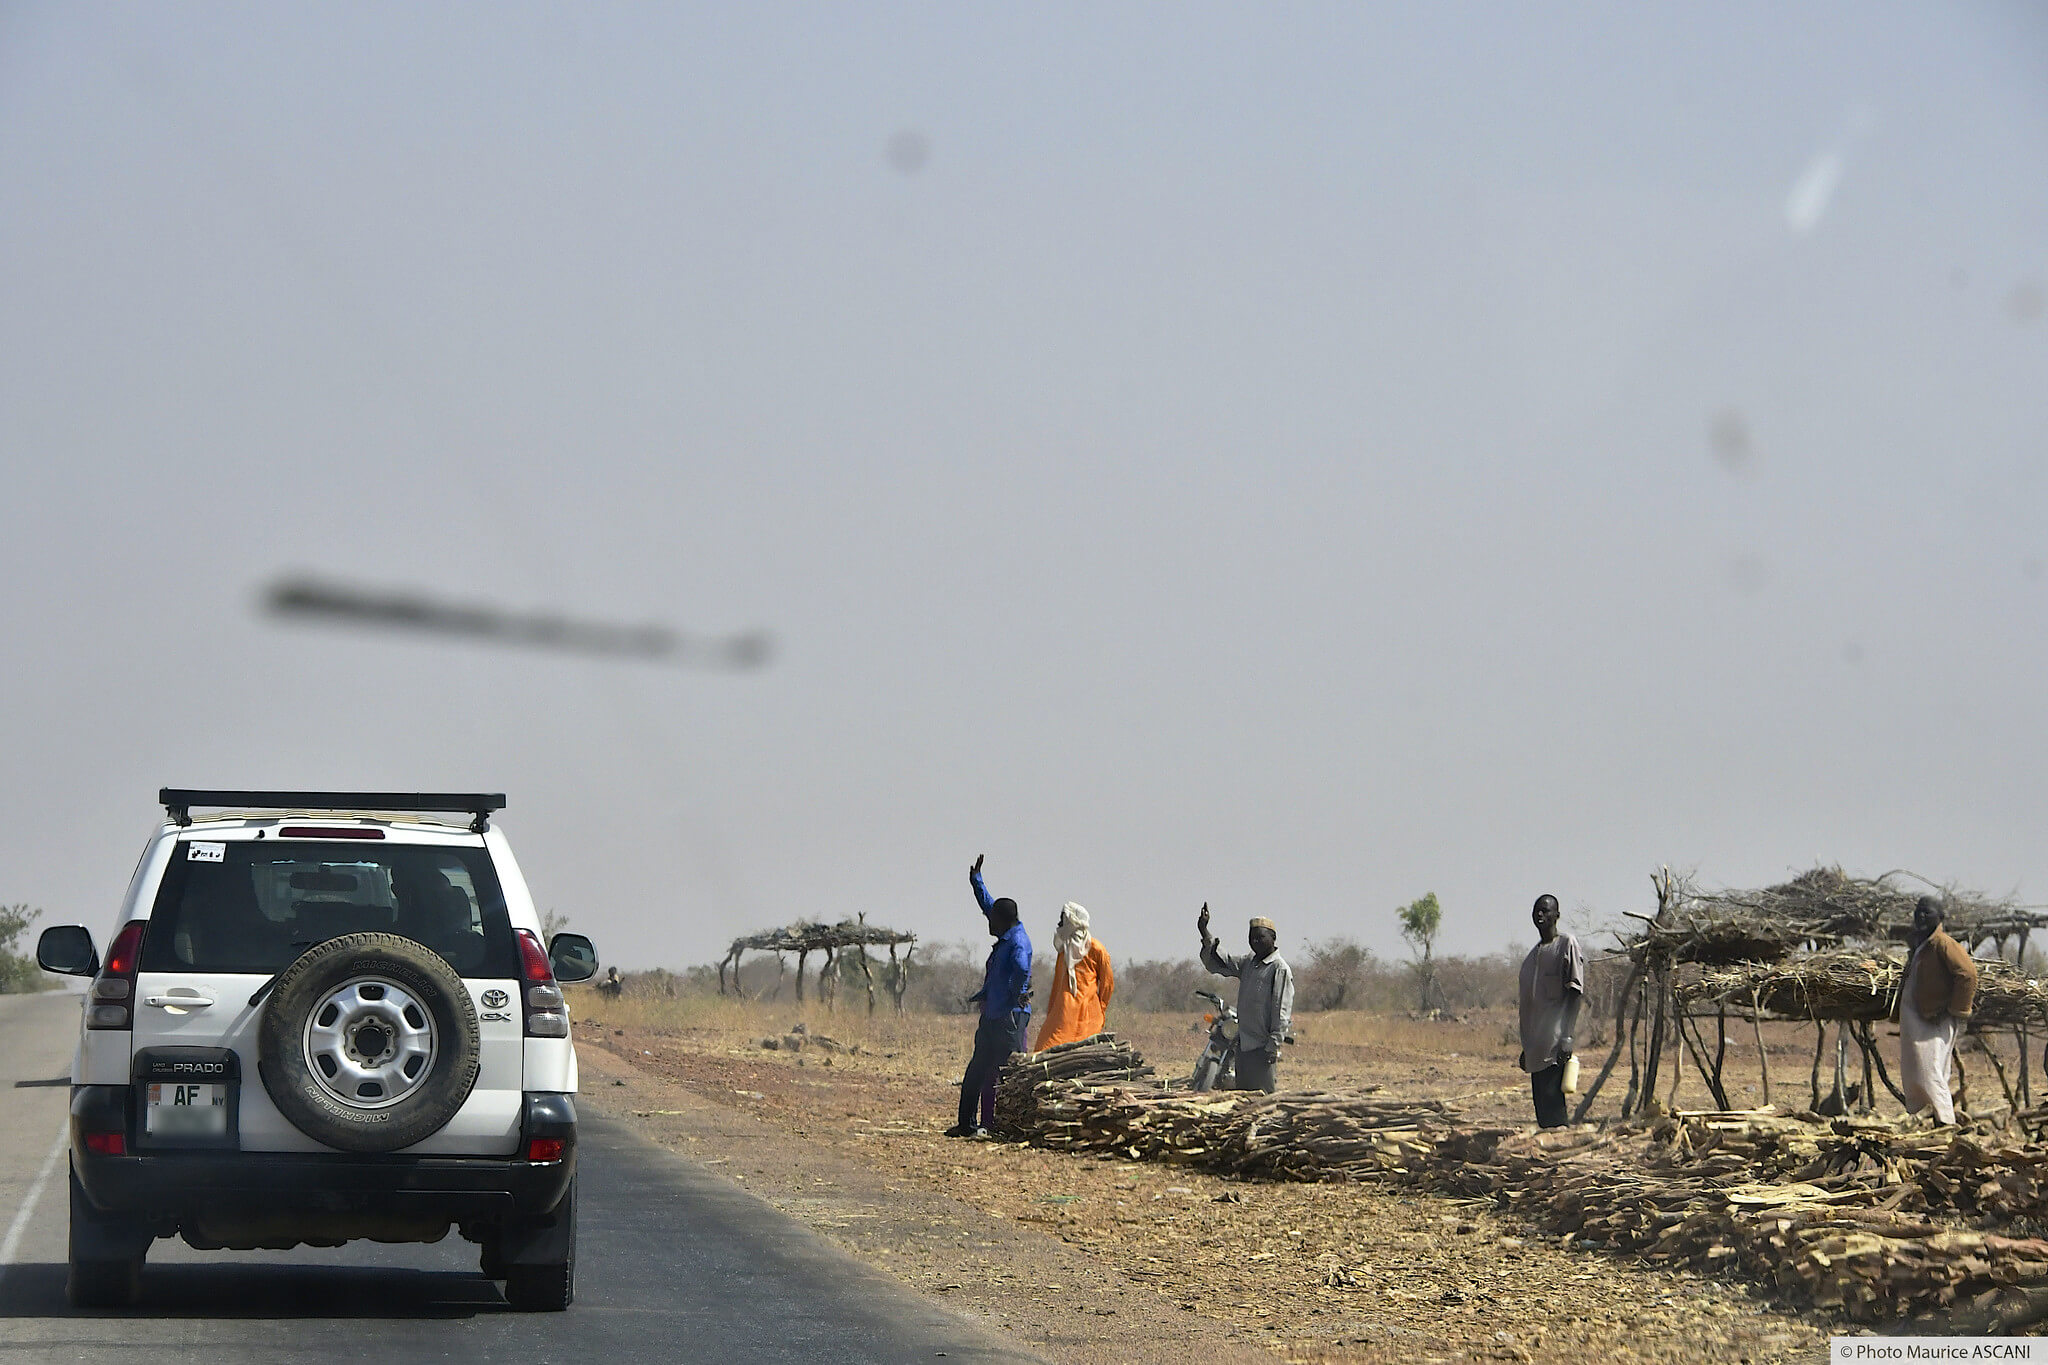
[(1858, 1215), (1056, 1072), (1871, 1219), (1081, 1097)]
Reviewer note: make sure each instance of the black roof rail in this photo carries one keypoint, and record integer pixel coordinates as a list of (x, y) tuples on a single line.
[(178, 802)]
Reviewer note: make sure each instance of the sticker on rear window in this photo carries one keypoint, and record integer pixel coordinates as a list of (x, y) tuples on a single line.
[(207, 853)]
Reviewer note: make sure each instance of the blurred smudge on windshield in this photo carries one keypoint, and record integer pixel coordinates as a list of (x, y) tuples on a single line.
[(340, 604), (1748, 575), (1807, 202), (908, 150), (1728, 437), (2027, 301)]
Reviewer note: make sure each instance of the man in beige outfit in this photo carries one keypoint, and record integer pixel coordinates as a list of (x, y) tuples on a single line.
[(1935, 998)]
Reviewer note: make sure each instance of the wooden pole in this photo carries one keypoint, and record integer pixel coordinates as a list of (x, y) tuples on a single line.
[(1820, 1042), (1634, 1096), (1763, 1058), (1869, 1082), (2011, 1100), (1656, 1047), (1841, 1097), (2020, 1036), (802, 960), (1870, 1048), (1699, 1059), (1720, 1050), (1677, 1071), (1613, 1053)]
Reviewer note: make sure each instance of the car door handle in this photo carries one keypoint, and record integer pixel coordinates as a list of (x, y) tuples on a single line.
[(179, 998)]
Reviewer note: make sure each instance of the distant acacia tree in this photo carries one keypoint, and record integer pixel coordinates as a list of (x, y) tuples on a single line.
[(1333, 975), (1419, 922), (17, 972)]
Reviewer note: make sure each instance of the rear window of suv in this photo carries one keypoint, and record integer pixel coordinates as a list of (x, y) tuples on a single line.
[(254, 906)]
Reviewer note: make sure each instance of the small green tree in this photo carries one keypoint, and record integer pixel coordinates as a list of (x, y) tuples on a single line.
[(1419, 922), (552, 922), (18, 972)]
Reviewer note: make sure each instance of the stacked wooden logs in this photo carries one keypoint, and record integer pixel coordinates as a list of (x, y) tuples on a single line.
[(1847, 984), (1325, 1136), (1860, 1215), (1050, 1077), (1859, 1227)]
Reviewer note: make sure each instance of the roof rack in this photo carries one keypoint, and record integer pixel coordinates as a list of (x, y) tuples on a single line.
[(178, 802)]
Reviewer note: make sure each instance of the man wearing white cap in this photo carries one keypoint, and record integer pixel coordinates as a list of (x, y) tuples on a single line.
[(1265, 999)]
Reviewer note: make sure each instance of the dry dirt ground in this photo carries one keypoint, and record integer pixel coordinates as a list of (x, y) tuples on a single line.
[(1090, 1260)]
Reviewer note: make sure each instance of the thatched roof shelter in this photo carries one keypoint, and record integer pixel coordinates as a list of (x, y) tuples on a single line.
[(1848, 985), (1822, 909), (808, 936), (1823, 947)]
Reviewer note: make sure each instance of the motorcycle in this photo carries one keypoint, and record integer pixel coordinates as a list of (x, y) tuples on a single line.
[(1216, 1068)]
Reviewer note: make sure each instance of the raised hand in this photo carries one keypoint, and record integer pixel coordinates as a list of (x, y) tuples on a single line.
[(977, 861), (1202, 922)]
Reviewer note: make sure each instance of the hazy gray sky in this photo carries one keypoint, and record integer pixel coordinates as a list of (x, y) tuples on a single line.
[(1296, 458)]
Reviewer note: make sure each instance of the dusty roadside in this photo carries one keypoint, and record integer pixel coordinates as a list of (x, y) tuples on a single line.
[(1091, 1260)]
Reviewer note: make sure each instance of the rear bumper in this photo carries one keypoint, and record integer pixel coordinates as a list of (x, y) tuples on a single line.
[(322, 1194)]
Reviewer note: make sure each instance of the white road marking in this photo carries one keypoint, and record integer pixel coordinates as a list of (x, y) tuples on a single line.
[(12, 1240)]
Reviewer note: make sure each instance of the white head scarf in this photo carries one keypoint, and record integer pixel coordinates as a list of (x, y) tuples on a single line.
[(1071, 939)]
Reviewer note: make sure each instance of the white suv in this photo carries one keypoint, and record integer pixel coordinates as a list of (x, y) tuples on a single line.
[(324, 1016)]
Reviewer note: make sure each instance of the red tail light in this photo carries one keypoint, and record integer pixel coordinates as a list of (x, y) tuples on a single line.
[(111, 1004), (545, 1149), (533, 959), (546, 1014), (125, 948), (114, 1144)]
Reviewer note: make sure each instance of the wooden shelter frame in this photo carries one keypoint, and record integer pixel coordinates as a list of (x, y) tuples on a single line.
[(806, 937), (1750, 956)]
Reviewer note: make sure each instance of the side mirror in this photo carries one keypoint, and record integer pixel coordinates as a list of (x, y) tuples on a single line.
[(67, 950), (573, 957)]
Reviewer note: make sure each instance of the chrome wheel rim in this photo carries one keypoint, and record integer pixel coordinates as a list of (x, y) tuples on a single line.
[(369, 1043)]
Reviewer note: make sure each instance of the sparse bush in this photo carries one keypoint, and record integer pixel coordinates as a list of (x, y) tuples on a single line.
[(18, 972), (1479, 983), (1165, 987), (1333, 975)]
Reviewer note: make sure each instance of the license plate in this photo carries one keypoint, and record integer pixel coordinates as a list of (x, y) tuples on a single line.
[(176, 1110)]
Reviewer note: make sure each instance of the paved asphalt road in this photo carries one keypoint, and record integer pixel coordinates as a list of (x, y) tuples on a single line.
[(673, 1264)]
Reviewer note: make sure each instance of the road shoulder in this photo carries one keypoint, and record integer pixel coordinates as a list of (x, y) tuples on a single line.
[(1046, 1295)]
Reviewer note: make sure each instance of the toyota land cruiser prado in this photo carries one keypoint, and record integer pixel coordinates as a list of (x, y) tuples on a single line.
[(324, 1016)]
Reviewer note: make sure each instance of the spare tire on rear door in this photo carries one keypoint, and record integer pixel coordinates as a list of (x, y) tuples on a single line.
[(368, 1043)]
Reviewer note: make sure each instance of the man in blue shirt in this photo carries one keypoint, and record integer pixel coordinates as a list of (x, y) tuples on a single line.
[(1005, 997)]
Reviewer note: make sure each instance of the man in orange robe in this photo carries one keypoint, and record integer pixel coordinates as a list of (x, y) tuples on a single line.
[(1081, 983)]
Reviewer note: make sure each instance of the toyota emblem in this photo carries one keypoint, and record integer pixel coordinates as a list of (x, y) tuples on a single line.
[(496, 999)]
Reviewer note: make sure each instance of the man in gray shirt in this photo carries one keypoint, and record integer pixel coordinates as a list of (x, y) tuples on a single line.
[(1265, 999), (1553, 983)]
